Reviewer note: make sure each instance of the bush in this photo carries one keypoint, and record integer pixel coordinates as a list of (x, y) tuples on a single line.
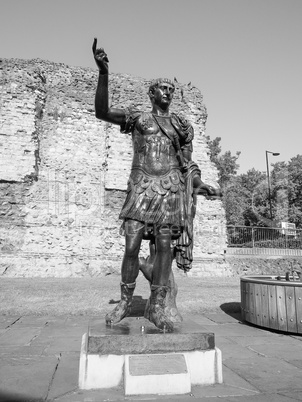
[(277, 243)]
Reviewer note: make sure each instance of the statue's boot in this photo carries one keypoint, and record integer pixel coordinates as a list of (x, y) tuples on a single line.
[(156, 313), (124, 306)]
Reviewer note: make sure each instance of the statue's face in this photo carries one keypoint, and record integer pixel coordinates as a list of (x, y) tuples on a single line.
[(163, 94)]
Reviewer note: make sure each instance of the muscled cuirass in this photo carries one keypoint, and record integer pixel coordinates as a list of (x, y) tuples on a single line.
[(154, 151)]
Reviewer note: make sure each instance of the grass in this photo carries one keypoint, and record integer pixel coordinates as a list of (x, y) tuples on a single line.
[(97, 296)]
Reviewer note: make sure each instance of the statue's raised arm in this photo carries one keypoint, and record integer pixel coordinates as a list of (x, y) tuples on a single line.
[(102, 109)]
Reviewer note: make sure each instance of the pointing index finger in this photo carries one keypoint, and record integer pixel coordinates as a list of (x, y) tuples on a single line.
[(94, 45)]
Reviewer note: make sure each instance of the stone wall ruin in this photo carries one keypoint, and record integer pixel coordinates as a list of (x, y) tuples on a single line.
[(63, 173)]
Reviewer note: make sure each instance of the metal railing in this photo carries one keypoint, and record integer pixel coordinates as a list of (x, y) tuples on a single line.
[(264, 237)]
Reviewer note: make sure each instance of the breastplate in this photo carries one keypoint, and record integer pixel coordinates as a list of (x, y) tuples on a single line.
[(154, 153)]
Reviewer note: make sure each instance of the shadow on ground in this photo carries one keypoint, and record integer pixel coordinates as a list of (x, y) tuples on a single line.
[(137, 308), (233, 309), (11, 397)]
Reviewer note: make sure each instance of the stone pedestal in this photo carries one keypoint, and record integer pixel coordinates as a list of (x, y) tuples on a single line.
[(146, 360)]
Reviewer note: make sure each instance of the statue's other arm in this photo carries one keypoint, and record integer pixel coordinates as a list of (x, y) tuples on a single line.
[(199, 187), (102, 109)]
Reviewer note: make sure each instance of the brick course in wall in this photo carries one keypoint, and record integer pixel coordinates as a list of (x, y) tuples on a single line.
[(63, 173)]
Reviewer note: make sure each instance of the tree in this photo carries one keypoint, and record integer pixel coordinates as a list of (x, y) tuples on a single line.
[(246, 199), (234, 202), (226, 163), (246, 196), (257, 211), (287, 190)]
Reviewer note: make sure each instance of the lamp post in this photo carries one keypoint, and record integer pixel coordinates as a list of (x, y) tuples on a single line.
[(268, 180)]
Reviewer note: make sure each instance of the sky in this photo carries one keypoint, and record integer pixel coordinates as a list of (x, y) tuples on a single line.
[(243, 55)]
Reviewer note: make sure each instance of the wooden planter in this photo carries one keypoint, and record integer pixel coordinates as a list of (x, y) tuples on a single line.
[(270, 303)]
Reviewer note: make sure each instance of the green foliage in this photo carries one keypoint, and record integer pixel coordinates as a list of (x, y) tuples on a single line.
[(286, 180), (277, 243), (246, 197), (263, 238), (234, 202), (226, 163)]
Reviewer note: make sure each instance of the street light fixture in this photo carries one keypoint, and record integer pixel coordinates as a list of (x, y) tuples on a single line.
[(268, 180)]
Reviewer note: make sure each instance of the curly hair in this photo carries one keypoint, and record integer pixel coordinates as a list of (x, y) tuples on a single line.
[(155, 83)]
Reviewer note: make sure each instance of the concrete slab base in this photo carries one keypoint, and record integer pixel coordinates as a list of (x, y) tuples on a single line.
[(99, 371), (108, 360)]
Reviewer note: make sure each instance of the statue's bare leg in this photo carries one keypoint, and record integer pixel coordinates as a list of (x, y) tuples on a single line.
[(146, 267), (146, 264), (160, 278), (130, 269)]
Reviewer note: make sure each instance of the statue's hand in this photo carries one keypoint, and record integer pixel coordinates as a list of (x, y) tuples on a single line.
[(100, 57), (208, 191)]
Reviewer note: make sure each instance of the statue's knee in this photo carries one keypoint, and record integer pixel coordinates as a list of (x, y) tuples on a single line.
[(163, 230), (163, 238), (131, 252), (133, 236)]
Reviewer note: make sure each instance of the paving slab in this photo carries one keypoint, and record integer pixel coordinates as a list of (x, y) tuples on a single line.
[(58, 344), (221, 392), (7, 321), (294, 395), (296, 362), (287, 350), (54, 328), (83, 321), (223, 341), (29, 376), (66, 376), (22, 350), (263, 397), (38, 321), (222, 318), (262, 339), (17, 397), (235, 329), (113, 394), (297, 337), (2, 331), (202, 320), (19, 336), (233, 385), (235, 380), (267, 374), (231, 350), (57, 337)]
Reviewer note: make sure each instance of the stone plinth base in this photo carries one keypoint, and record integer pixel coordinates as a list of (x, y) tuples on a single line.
[(160, 374), (146, 360)]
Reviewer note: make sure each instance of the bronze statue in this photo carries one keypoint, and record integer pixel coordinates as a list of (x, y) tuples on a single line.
[(159, 205)]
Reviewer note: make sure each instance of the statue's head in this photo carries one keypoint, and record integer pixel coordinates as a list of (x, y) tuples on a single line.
[(161, 90)]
